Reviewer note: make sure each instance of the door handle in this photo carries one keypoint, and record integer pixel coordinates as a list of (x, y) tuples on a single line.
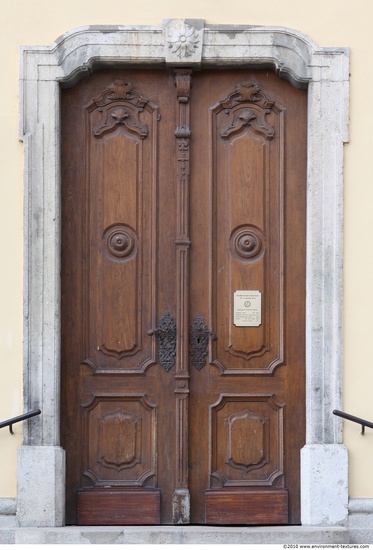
[(199, 336), (166, 333)]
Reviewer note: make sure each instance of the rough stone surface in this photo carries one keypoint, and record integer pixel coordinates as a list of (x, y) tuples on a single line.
[(181, 506), (40, 491), (182, 535), (7, 536), (7, 506), (7, 520), (361, 520), (324, 488)]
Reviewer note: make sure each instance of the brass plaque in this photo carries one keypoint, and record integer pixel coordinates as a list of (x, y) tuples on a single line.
[(247, 306)]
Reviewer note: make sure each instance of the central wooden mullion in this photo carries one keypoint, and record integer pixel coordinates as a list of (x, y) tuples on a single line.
[(181, 497)]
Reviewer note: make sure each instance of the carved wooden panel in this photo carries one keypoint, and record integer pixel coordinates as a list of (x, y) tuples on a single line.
[(121, 136), (246, 444), (120, 436), (123, 430), (247, 437), (247, 193)]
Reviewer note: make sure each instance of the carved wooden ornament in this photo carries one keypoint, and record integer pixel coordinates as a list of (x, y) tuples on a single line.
[(120, 104), (253, 107)]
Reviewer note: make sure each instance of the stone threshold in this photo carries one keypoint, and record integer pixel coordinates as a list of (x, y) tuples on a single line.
[(175, 535)]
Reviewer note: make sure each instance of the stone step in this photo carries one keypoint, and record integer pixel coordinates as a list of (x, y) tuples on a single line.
[(7, 522), (7, 529), (177, 535)]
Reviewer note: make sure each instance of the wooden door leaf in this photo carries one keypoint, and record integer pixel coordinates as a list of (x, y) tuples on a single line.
[(165, 222)]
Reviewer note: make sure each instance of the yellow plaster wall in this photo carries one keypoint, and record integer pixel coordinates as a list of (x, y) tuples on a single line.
[(332, 23)]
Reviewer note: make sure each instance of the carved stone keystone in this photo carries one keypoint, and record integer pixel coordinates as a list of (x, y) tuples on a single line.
[(183, 41)]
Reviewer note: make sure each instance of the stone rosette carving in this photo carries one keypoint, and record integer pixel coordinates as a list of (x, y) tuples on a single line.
[(183, 41)]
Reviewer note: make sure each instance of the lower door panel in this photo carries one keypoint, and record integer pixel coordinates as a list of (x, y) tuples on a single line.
[(118, 507), (267, 506)]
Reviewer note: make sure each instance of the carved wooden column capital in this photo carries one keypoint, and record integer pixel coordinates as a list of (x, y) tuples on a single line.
[(183, 82)]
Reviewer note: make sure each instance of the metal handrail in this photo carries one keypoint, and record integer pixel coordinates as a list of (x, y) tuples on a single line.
[(19, 418), (364, 423)]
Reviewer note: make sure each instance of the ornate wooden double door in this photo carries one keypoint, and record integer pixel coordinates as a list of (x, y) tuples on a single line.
[(183, 297)]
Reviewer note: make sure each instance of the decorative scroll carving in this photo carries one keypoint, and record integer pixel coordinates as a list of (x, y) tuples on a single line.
[(247, 242), (120, 90), (183, 40), (166, 333), (120, 104), (253, 115), (247, 91), (198, 339)]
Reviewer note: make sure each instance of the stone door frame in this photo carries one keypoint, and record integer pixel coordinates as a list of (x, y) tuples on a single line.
[(193, 43)]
